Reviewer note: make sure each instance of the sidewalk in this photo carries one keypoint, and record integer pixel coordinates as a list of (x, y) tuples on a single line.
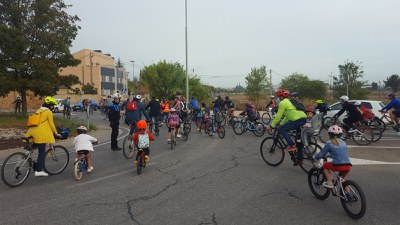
[(102, 134)]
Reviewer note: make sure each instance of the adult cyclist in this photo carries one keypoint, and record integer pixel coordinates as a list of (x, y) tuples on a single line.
[(274, 105), (154, 107), (395, 104), (354, 115), (293, 119)]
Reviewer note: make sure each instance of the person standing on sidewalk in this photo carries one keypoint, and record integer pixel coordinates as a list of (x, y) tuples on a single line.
[(18, 103), (114, 116), (43, 133)]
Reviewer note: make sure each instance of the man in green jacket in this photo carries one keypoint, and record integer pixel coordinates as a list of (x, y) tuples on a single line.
[(293, 119)]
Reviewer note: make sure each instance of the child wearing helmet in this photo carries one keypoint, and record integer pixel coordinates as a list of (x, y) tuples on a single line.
[(322, 107), (142, 139), (84, 145), (173, 121), (337, 149), (310, 114)]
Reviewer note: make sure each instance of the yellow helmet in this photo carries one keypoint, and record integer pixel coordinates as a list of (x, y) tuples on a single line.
[(50, 101), (319, 101)]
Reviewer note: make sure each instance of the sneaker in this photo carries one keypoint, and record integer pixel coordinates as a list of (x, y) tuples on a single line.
[(135, 162), (146, 158), (116, 149), (76, 160), (90, 169), (327, 184), (178, 135), (198, 129), (169, 140), (41, 174), (291, 148)]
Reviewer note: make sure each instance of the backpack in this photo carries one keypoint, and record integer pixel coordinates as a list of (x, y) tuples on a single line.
[(34, 119), (173, 121), (231, 105), (184, 106), (132, 106), (298, 105), (143, 140)]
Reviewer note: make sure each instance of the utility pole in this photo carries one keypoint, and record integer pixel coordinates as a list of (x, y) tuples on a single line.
[(133, 71), (186, 48), (270, 80)]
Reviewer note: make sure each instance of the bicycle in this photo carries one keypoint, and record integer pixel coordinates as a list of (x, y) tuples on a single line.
[(215, 126), (267, 117), (272, 151), (155, 124), (245, 124), (67, 112), (104, 112), (141, 162), (17, 166), (350, 193), (173, 137), (360, 134), (128, 147), (220, 117)]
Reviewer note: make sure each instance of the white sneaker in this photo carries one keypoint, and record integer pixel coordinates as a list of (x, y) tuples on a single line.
[(178, 135), (90, 169), (169, 141), (41, 174)]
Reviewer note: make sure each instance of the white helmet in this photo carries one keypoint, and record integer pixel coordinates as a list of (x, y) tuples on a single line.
[(137, 96), (344, 98), (116, 95), (357, 103), (82, 128)]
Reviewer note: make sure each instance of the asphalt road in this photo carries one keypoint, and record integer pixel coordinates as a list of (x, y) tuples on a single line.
[(205, 180)]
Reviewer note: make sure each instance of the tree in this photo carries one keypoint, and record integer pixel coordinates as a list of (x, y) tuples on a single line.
[(393, 82), (374, 86), (257, 84), (349, 81), (239, 89), (89, 89), (69, 80), (35, 37), (312, 89)]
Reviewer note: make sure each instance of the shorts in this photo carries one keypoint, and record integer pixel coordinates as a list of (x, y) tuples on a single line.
[(176, 127), (343, 169), (85, 152)]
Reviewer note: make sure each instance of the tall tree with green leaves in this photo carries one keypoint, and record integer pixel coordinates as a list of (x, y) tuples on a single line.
[(311, 89), (393, 82), (349, 81), (35, 37), (257, 83)]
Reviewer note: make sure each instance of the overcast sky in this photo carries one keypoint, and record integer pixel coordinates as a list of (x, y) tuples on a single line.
[(228, 38)]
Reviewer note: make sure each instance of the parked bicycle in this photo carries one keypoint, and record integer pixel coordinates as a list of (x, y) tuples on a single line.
[(350, 193), (272, 151), (17, 166)]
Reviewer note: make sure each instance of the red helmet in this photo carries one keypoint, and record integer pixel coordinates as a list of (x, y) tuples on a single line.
[(141, 124), (282, 93)]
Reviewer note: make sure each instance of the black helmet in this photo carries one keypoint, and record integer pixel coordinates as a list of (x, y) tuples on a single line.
[(391, 95), (294, 94)]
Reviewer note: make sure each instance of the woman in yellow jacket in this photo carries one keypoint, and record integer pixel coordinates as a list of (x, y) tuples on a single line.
[(43, 133)]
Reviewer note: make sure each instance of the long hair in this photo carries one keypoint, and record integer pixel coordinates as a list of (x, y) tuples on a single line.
[(334, 138)]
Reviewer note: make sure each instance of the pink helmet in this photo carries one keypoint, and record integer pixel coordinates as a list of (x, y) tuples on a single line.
[(335, 129)]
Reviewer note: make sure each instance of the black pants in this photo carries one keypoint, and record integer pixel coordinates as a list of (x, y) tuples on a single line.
[(114, 134), (349, 123)]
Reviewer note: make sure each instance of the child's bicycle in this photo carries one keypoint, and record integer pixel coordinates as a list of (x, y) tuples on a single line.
[(80, 166), (173, 137), (17, 167), (350, 193), (141, 161)]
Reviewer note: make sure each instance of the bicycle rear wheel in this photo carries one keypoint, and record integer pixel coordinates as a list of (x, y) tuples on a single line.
[(354, 203), (221, 132), (139, 164), (272, 151), (56, 159), (266, 118), (185, 133), (78, 173), (315, 179), (128, 148), (363, 136), (16, 169)]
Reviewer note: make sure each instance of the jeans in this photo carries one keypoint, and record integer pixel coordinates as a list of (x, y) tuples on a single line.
[(114, 134), (291, 125), (40, 158)]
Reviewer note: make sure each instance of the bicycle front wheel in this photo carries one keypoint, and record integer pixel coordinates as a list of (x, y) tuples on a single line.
[(15, 169), (221, 132), (56, 159), (128, 148), (354, 203), (363, 136), (77, 170), (238, 127), (315, 179), (266, 118), (272, 151), (259, 129)]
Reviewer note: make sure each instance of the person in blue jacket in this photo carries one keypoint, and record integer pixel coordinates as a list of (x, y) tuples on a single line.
[(395, 104), (134, 112), (194, 105)]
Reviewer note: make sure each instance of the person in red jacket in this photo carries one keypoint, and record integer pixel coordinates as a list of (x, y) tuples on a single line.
[(142, 139)]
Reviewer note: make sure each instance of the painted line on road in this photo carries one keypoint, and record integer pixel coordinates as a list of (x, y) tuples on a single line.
[(363, 146), (106, 177), (356, 161)]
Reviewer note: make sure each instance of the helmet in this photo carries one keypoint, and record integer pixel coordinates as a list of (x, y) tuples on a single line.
[(272, 96), (294, 94), (172, 110), (357, 103), (391, 94), (283, 93), (248, 104), (335, 129), (81, 128), (50, 101), (116, 95), (18, 97), (137, 96), (319, 101), (310, 109), (344, 98), (141, 124)]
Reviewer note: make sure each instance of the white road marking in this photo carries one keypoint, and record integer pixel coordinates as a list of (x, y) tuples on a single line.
[(106, 177), (356, 161)]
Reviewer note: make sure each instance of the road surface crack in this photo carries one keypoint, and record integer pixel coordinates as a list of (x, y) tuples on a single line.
[(213, 221)]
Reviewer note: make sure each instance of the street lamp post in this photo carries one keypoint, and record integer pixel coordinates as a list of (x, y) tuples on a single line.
[(186, 48), (133, 70)]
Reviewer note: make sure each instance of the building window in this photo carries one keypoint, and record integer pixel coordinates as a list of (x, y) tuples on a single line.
[(103, 78)]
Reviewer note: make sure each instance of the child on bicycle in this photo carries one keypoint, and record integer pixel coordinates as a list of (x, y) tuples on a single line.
[(173, 121), (84, 145), (337, 149), (142, 139)]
